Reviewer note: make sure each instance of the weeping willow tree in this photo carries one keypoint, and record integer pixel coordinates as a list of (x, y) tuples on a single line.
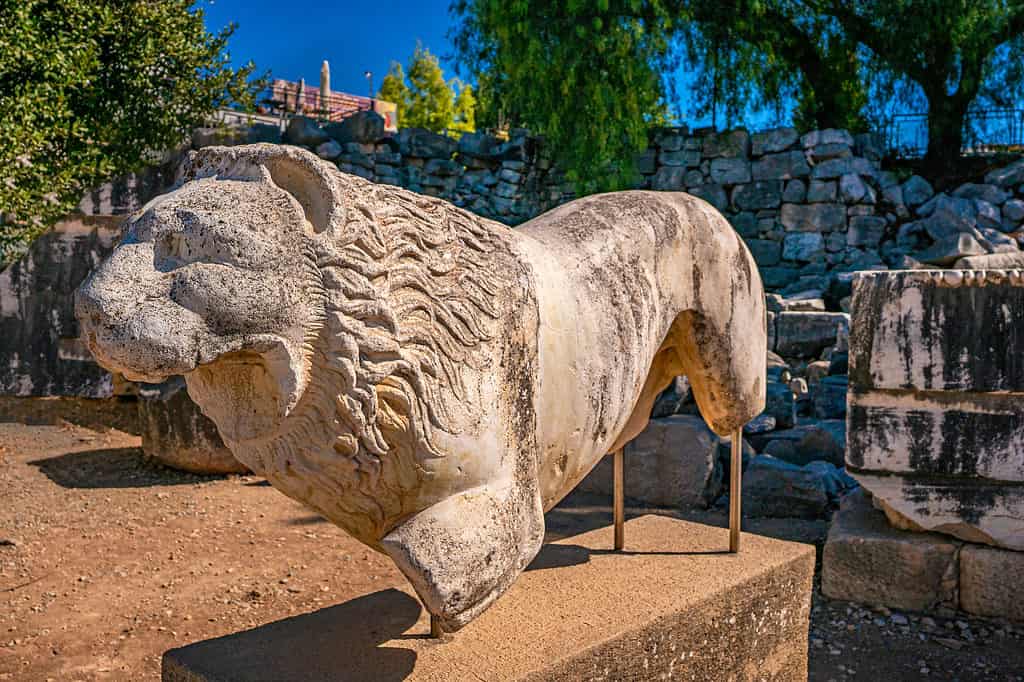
[(585, 75), (594, 75)]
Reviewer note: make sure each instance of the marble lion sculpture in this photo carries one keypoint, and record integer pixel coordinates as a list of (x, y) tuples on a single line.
[(427, 379)]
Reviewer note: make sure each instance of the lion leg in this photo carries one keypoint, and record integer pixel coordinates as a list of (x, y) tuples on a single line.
[(464, 552)]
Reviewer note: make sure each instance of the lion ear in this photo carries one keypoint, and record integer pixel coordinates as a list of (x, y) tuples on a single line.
[(308, 178)]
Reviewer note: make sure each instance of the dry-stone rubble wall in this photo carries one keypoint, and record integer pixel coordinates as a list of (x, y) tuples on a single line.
[(812, 208)]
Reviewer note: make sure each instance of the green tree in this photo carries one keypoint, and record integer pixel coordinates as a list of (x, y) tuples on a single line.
[(582, 73), (89, 89), (425, 99), (768, 53), (393, 89), (431, 102), (592, 74), (464, 120), (953, 51)]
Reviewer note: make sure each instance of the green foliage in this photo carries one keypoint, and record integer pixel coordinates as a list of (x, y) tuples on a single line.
[(465, 109), (591, 74), (946, 52), (425, 99), (431, 102), (770, 53), (393, 89), (582, 72), (89, 89)]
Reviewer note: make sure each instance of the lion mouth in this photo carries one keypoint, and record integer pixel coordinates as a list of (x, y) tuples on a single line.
[(248, 393)]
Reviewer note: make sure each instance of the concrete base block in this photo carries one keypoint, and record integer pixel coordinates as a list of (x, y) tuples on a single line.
[(992, 582), (866, 560), (673, 605)]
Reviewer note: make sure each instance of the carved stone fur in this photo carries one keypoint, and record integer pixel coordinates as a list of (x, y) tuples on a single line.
[(427, 379)]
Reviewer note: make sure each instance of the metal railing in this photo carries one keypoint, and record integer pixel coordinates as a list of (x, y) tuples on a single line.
[(289, 99), (283, 100), (985, 131)]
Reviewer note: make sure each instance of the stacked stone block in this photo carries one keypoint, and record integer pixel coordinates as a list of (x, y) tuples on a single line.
[(804, 204), (936, 436)]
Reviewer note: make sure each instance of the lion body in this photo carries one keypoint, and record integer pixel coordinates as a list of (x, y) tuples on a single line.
[(427, 379)]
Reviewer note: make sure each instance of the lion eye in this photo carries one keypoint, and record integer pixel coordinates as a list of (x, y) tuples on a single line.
[(172, 251)]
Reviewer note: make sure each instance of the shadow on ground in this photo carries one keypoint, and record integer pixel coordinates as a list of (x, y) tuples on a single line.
[(560, 556), (336, 643), (111, 468), (581, 512), (94, 414)]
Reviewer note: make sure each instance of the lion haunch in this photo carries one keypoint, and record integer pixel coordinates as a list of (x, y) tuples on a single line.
[(429, 380)]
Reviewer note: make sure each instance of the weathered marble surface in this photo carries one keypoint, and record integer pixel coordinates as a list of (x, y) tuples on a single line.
[(936, 400), (427, 379)]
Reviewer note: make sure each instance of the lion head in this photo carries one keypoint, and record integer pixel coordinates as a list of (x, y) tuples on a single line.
[(323, 322)]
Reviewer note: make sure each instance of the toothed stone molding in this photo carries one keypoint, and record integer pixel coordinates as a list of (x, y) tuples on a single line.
[(950, 278), (935, 417)]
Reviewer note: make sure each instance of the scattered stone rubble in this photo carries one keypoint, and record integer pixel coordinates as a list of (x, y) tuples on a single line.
[(794, 453)]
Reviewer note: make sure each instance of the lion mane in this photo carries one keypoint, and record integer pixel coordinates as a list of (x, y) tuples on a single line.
[(409, 290)]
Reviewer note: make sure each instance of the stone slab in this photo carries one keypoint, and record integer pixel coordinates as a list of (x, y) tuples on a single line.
[(866, 560), (936, 389), (973, 511), (919, 329), (673, 605), (937, 433), (177, 433), (805, 334), (40, 352), (992, 582), (673, 462)]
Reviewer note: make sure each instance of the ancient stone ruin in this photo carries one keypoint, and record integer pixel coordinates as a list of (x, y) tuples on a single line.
[(936, 438)]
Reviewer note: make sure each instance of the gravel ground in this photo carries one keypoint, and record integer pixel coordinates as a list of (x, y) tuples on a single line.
[(107, 560)]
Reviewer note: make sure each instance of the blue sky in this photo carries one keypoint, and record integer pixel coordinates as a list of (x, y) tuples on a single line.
[(291, 39)]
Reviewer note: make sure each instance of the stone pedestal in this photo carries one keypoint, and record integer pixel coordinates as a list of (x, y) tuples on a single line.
[(868, 561), (673, 605), (936, 400)]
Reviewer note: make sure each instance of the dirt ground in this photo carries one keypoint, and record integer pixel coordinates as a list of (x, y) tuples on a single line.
[(107, 560)]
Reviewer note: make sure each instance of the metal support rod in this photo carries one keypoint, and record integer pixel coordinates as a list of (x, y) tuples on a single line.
[(619, 500), (735, 493), (435, 627)]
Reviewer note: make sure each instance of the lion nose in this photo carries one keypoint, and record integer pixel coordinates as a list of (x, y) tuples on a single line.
[(127, 321)]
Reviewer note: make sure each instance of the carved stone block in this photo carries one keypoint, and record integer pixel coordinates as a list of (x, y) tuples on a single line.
[(674, 608), (936, 400)]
